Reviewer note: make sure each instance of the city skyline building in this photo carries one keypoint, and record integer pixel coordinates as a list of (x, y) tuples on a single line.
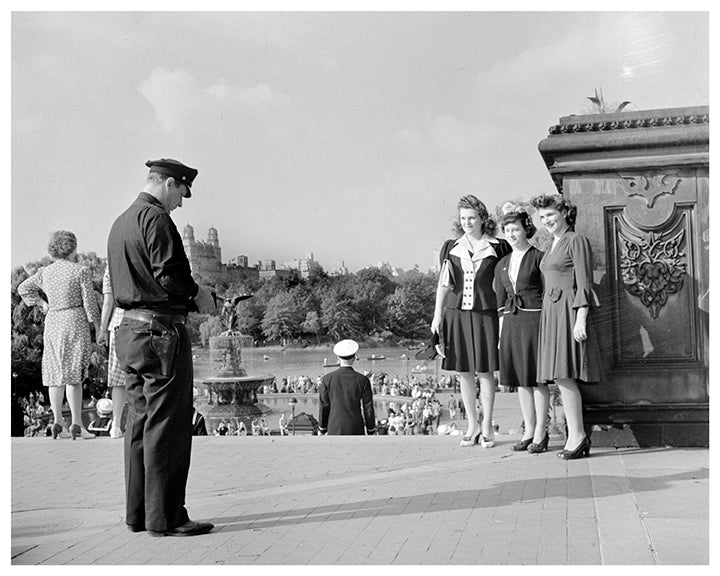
[(205, 257)]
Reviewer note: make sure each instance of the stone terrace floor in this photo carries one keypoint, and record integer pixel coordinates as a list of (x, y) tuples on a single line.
[(380, 500)]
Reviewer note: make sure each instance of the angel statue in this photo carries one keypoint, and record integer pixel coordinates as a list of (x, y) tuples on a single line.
[(229, 315)]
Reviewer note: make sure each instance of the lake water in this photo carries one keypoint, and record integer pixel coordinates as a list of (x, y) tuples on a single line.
[(291, 363)]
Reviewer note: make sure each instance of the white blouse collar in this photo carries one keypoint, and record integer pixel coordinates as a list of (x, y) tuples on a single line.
[(463, 248)]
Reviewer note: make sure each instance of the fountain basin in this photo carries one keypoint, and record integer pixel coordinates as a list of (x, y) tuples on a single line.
[(230, 397)]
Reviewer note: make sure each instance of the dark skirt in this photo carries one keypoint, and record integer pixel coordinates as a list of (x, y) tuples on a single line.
[(471, 340), (518, 349)]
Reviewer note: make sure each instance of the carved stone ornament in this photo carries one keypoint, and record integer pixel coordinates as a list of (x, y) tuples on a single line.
[(628, 123), (650, 186), (652, 264)]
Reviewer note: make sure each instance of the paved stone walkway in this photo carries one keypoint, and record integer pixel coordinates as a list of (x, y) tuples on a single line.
[(370, 500)]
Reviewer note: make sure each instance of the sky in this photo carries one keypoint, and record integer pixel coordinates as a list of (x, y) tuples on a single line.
[(350, 135)]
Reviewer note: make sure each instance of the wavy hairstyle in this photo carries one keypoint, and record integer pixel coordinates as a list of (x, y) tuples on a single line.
[(559, 203), (62, 243), (488, 226), (520, 217)]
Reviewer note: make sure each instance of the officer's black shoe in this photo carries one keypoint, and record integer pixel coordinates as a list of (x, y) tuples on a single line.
[(190, 528)]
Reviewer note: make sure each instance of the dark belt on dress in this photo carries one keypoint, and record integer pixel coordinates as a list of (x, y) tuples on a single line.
[(150, 316)]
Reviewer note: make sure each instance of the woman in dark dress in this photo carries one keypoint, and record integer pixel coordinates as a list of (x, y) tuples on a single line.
[(568, 350), (519, 288), (466, 313)]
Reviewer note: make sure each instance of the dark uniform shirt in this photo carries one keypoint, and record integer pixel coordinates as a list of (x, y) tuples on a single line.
[(147, 261)]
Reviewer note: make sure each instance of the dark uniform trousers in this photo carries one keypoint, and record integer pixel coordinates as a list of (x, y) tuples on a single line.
[(158, 434)]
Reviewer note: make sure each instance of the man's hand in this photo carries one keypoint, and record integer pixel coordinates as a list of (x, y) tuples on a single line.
[(205, 301)]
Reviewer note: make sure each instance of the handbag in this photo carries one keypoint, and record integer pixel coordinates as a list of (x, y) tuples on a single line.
[(435, 348)]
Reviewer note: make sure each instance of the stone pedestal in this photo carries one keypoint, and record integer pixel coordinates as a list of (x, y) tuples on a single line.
[(640, 182)]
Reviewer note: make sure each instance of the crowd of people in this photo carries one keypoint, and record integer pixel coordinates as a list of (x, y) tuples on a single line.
[(34, 415), (421, 416), (381, 384)]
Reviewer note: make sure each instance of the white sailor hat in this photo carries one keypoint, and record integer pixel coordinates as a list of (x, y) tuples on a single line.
[(346, 348), (104, 406)]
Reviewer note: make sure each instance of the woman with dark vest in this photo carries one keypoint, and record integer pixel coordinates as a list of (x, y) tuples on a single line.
[(568, 350), (466, 312), (519, 286)]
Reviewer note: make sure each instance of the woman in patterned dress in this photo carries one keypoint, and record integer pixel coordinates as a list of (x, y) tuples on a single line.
[(71, 305), (110, 318), (519, 288), (568, 350), (466, 313)]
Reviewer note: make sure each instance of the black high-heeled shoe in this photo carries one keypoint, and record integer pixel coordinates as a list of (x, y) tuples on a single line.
[(56, 430), (521, 445), (538, 447), (582, 450)]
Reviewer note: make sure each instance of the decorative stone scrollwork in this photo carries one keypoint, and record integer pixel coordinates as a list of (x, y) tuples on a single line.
[(650, 186), (652, 264)]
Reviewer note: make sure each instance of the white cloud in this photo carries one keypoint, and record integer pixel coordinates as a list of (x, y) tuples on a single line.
[(174, 94), (30, 126), (180, 103), (446, 134), (538, 67)]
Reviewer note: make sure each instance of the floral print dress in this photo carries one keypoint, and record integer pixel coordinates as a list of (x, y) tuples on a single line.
[(72, 305)]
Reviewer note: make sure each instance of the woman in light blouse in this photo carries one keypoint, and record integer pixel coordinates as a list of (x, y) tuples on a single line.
[(466, 313)]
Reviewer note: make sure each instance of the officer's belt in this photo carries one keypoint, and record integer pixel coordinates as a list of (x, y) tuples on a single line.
[(150, 316)]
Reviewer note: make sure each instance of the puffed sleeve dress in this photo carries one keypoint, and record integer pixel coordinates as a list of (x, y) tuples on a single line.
[(568, 280), (470, 321)]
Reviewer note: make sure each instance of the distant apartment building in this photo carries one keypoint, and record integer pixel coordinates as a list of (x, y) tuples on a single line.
[(338, 268), (206, 257), (385, 266), (303, 265)]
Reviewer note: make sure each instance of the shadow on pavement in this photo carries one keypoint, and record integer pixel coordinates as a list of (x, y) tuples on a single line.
[(507, 493)]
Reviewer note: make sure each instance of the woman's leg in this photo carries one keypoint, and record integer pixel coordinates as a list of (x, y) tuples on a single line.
[(572, 406), (74, 395), (57, 395), (541, 399), (118, 395), (487, 399), (527, 407), (468, 391)]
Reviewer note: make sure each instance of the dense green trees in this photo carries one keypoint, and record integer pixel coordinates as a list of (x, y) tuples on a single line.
[(372, 303)]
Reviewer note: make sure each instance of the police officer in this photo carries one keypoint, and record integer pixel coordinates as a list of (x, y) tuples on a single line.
[(152, 282)]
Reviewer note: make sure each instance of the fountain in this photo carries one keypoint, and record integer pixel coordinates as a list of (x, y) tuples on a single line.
[(229, 392)]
